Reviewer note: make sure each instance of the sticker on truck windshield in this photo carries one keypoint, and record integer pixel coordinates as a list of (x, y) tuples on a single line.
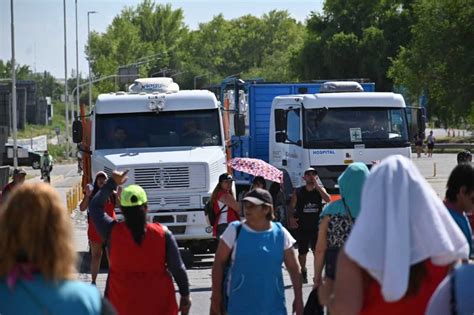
[(356, 134)]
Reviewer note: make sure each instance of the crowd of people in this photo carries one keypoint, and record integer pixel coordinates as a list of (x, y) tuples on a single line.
[(389, 245)]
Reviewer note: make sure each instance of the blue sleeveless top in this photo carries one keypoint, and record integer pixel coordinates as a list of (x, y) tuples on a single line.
[(39, 296), (256, 280)]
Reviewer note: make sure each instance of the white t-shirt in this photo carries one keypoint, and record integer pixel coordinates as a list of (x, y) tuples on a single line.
[(223, 212), (230, 233)]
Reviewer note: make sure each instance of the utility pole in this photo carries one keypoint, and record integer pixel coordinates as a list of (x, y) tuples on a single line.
[(66, 95), (77, 70), (14, 120)]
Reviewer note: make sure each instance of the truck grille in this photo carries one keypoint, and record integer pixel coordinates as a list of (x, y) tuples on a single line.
[(108, 171), (172, 177), (170, 201)]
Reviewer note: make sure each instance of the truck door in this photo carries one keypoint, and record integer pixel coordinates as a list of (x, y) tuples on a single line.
[(416, 119), (287, 150)]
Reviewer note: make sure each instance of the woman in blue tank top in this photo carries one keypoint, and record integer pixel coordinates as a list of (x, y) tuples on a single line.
[(37, 265), (255, 250)]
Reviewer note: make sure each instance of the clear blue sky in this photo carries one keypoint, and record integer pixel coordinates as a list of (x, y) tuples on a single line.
[(39, 36)]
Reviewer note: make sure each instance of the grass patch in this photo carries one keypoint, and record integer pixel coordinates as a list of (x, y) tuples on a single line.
[(57, 151)]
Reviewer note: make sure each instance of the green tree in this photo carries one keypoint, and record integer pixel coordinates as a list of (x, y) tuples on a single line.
[(23, 72), (248, 46), (439, 60), (47, 86), (353, 39), (138, 32)]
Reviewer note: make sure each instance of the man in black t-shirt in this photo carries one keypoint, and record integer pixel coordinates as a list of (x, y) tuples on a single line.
[(305, 208)]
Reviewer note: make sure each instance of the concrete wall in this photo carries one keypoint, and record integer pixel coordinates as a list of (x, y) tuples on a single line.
[(30, 109)]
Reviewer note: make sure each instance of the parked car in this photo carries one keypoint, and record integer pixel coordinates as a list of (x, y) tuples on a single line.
[(25, 157)]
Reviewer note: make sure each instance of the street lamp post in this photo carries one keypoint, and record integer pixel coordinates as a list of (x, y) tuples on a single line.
[(14, 123), (66, 95), (89, 53), (77, 69)]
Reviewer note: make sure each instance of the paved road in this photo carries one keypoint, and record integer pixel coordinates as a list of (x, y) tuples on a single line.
[(200, 275), (63, 177)]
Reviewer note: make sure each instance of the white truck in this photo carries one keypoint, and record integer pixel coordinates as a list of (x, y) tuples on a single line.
[(328, 131), (172, 142)]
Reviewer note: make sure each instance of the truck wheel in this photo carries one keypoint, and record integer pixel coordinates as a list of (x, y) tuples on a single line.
[(188, 257)]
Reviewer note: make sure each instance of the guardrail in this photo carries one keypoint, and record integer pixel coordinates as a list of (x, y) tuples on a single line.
[(450, 146), (74, 196), (460, 146)]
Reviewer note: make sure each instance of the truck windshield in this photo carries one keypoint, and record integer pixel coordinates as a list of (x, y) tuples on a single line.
[(346, 127), (166, 129)]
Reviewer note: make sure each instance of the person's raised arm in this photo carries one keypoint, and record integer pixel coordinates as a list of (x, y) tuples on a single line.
[(324, 194), (85, 201), (230, 201), (102, 221), (293, 268)]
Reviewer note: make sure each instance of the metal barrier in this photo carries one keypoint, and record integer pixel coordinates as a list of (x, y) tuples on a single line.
[(74, 197)]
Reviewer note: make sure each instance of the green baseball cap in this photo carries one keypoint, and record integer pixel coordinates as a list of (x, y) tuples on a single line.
[(133, 196)]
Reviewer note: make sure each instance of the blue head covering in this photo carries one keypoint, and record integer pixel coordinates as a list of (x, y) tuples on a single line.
[(350, 185)]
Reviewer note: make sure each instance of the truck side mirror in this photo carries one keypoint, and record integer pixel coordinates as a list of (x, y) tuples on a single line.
[(280, 137), (280, 120), (77, 131), (239, 125)]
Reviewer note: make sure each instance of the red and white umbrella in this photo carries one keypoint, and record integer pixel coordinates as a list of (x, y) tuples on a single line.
[(256, 167)]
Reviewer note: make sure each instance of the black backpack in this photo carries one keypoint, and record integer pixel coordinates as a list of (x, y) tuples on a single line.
[(209, 212)]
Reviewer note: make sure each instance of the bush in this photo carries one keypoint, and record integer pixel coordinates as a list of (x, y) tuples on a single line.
[(57, 151)]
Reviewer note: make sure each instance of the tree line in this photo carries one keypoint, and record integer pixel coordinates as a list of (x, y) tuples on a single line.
[(418, 47)]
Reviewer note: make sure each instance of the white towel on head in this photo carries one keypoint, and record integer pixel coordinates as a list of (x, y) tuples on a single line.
[(402, 222)]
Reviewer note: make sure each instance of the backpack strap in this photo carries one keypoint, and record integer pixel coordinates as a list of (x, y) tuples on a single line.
[(348, 211), (221, 210), (237, 231), (238, 228)]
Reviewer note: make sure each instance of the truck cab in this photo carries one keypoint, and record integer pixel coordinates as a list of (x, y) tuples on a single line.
[(172, 142), (328, 131)]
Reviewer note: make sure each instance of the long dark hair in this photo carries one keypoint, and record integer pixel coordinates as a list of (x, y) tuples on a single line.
[(418, 273), (216, 191), (135, 219), (96, 186), (96, 189)]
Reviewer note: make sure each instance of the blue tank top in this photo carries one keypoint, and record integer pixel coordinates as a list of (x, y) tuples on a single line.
[(38, 296), (256, 280), (463, 223)]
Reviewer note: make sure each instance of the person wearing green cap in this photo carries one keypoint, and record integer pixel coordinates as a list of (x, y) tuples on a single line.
[(142, 255)]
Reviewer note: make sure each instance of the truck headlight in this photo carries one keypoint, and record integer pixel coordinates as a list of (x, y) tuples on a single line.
[(205, 200)]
